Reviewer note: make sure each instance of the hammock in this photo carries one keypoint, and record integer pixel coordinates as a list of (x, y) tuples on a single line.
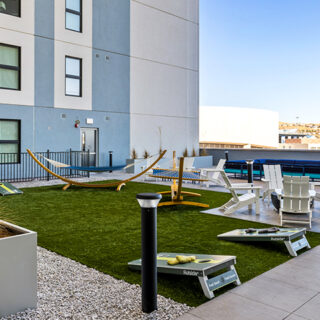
[(117, 184), (62, 165)]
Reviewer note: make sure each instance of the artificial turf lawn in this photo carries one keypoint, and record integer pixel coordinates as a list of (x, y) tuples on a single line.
[(101, 229)]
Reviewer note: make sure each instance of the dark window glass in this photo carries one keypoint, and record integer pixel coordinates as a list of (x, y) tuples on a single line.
[(9, 141), (11, 7), (73, 76), (74, 15), (9, 67)]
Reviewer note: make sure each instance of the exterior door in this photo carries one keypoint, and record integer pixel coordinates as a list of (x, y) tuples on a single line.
[(89, 146)]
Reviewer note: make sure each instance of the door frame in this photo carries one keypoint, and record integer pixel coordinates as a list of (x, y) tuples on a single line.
[(96, 142)]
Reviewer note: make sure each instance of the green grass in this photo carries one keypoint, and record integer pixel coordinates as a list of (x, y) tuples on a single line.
[(101, 229)]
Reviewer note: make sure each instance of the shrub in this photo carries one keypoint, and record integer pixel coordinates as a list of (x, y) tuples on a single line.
[(203, 152), (146, 154), (194, 154), (185, 152), (134, 154)]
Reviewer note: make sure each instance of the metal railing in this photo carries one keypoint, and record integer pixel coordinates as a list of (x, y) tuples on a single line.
[(21, 167), (239, 170)]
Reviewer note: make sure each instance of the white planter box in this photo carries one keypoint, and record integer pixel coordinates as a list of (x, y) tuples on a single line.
[(18, 271)]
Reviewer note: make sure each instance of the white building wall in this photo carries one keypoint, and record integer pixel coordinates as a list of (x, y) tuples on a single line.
[(20, 32), (74, 44), (239, 125), (164, 75)]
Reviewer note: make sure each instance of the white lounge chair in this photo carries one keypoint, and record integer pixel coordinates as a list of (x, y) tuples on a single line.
[(213, 176), (295, 201), (272, 178), (188, 164), (239, 201), (313, 186)]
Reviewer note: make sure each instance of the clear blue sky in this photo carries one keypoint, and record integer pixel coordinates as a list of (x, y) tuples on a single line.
[(261, 54)]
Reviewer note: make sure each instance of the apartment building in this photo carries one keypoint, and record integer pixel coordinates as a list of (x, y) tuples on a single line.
[(99, 75)]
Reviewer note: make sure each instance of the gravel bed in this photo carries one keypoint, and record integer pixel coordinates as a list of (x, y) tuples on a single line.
[(70, 290)]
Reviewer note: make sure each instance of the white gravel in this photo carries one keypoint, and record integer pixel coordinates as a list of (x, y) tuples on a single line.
[(70, 290)]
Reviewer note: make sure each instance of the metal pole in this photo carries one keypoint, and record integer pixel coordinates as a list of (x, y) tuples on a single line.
[(110, 159), (226, 154), (250, 170), (148, 203), (48, 156)]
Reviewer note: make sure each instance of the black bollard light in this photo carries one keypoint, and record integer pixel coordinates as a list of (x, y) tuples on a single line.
[(110, 159), (250, 170), (148, 203), (226, 154)]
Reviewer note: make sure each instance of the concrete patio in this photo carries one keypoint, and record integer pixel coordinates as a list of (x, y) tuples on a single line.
[(268, 215)]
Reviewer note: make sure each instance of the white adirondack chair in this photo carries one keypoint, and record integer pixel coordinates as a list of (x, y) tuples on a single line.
[(272, 178), (313, 186), (239, 201), (295, 201), (188, 164), (150, 171), (213, 177)]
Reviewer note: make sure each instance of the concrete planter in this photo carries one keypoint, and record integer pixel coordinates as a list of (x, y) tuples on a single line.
[(137, 167), (18, 270)]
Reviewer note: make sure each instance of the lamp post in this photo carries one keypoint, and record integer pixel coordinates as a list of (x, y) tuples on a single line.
[(226, 154), (250, 170), (148, 203)]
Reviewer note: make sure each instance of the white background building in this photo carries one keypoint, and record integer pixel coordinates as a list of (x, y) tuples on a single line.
[(239, 125)]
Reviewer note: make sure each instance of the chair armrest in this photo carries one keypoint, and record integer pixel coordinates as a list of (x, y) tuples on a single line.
[(243, 184), (246, 188), (213, 170), (265, 180), (296, 197)]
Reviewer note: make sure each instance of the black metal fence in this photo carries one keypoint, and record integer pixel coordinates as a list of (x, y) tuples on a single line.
[(21, 167)]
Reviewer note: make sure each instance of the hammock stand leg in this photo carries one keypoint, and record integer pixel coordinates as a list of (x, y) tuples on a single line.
[(120, 186), (66, 187)]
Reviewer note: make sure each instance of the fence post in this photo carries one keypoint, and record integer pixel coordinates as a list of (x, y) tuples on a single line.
[(88, 163), (48, 156), (70, 155)]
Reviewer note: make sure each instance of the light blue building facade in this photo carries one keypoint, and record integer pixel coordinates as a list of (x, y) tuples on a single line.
[(46, 125), (103, 75)]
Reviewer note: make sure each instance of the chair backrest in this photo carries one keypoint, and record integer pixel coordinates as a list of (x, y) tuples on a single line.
[(220, 166), (228, 185), (188, 163), (296, 194), (273, 174)]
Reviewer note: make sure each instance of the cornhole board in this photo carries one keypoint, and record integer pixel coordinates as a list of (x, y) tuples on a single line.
[(7, 189), (285, 235), (204, 266)]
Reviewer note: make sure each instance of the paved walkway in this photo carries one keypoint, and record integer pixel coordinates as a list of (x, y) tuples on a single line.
[(290, 291)]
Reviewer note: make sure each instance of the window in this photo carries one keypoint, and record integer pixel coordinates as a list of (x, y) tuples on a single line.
[(9, 67), (74, 15), (73, 76), (11, 7), (9, 141)]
